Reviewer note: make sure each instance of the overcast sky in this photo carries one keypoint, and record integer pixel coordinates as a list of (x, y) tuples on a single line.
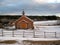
[(30, 6)]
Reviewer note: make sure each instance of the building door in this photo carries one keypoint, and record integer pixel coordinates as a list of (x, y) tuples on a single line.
[(23, 25)]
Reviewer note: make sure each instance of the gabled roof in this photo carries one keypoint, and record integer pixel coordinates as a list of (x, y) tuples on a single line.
[(24, 16)]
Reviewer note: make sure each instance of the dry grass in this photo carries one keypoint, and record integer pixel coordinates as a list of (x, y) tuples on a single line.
[(8, 41), (45, 42)]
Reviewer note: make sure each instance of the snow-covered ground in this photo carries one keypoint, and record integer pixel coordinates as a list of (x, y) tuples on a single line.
[(39, 31), (36, 35), (49, 22)]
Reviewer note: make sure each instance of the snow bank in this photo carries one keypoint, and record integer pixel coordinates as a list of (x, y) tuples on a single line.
[(34, 39), (49, 22)]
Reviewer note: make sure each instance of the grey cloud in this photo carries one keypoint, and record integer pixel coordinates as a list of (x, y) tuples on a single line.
[(29, 6)]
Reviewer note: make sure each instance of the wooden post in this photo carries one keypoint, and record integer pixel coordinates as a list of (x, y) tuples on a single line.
[(55, 34), (23, 34), (13, 33), (44, 35), (2, 33), (33, 33)]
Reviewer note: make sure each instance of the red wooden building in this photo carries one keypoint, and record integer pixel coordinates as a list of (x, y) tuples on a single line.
[(24, 22)]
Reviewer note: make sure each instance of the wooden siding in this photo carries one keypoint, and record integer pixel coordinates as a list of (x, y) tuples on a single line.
[(24, 23)]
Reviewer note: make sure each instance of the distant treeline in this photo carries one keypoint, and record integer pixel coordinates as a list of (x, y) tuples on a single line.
[(6, 20), (35, 18)]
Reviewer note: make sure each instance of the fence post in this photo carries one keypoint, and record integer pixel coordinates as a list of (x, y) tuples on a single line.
[(13, 33), (55, 34), (23, 34), (33, 33), (44, 35), (2, 33)]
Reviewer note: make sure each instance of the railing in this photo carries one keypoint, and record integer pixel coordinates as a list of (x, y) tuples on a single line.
[(29, 34)]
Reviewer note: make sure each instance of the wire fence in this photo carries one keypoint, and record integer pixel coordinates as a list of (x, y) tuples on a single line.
[(29, 34)]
